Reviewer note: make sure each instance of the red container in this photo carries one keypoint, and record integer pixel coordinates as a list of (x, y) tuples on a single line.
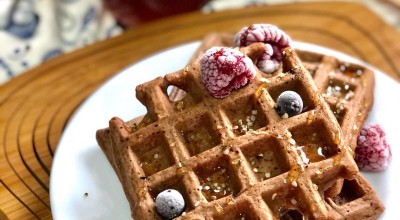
[(132, 12)]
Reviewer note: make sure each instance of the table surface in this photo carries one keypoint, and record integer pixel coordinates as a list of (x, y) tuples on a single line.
[(36, 106)]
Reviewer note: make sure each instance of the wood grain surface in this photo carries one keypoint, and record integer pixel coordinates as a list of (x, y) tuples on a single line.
[(36, 106)]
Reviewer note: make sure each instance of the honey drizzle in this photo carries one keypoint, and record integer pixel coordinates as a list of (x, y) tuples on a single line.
[(310, 117), (218, 208), (339, 143), (294, 173), (312, 152), (230, 200), (260, 89), (217, 185), (179, 105)]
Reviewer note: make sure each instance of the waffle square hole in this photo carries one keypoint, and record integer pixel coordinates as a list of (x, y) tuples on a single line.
[(313, 142), (217, 179), (308, 57), (311, 67), (199, 135), (351, 71), (265, 158), (154, 154), (284, 204), (292, 214), (351, 191), (339, 90), (180, 99), (311, 61), (173, 183), (240, 210), (339, 111), (245, 114), (296, 86)]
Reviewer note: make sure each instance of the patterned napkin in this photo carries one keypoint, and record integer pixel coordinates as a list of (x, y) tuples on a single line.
[(32, 31)]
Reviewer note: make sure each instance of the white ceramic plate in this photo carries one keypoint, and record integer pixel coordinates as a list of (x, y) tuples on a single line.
[(84, 186)]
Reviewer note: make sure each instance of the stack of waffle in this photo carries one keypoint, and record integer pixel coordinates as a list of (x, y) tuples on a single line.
[(236, 158)]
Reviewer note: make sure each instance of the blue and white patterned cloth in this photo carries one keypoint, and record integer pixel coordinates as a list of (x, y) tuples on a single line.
[(33, 31)]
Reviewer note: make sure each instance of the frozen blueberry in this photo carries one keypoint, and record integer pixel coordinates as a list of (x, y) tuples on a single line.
[(170, 203), (289, 102)]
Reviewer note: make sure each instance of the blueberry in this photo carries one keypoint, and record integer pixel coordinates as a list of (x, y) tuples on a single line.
[(289, 102), (170, 203)]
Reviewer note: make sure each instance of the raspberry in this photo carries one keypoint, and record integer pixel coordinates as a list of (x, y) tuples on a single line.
[(265, 63), (274, 38), (224, 69), (372, 152)]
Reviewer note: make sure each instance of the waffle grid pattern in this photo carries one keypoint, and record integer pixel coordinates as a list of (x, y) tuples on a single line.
[(347, 87), (236, 158)]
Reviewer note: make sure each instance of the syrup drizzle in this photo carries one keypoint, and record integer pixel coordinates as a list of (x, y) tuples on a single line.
[(216, 185)]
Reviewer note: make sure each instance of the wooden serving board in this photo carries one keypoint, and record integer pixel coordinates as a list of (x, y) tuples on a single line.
[(36, 106)]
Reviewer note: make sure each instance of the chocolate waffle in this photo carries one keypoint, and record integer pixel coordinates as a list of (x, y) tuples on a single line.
[(236, 158), (347, 87)]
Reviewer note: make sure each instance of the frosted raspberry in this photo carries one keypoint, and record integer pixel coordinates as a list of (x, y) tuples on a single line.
[(372, 152), (274, 38), (265, 63), (224, 69)]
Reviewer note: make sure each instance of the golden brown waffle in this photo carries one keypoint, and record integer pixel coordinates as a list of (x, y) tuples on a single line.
[(236, 157), (347, 87)]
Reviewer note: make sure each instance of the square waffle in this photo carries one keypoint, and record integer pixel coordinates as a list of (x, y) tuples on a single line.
[(236, 158)]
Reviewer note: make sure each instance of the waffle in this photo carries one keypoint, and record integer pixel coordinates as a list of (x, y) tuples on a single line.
[(236, 158), (347, 87)]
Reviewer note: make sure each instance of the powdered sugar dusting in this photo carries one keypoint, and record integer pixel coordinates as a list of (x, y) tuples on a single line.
[(225, 69), (372, 152)]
